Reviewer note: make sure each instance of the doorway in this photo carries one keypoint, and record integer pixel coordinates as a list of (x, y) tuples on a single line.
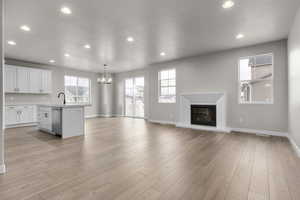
[(134, 97)]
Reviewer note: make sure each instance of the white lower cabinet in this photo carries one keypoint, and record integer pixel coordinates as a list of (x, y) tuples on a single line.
[(20, 114), (10, 115)]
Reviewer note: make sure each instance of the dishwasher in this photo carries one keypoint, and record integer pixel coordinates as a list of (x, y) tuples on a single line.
[(57, 121)]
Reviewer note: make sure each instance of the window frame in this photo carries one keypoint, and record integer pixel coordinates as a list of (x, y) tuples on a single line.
[(239, 82), (159, 86), (90, 90), (133, 95)]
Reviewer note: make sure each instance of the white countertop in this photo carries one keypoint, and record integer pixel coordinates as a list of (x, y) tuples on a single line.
[(64, 106), (48, 105)]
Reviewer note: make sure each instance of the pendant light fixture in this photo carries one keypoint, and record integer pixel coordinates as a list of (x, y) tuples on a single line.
[(106, 77)]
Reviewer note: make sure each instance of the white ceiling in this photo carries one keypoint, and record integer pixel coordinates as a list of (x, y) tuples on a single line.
[(180, 28)]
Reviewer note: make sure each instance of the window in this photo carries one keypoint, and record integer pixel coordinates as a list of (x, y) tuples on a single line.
[(134, 97), (167, 86), (256, 79), (77, 90)]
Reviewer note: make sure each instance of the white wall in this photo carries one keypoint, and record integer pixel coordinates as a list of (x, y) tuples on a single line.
[(58, 86), (1, 91), (218, 72), (294, 80)]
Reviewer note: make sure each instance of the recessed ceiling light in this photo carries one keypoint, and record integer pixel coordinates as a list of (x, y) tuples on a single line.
[(130, 39), (11, 42), (51, 61), (228, 4), (162, 53), (67, 55), (25, 28), (240, 36), (87, 46), (66, 10)]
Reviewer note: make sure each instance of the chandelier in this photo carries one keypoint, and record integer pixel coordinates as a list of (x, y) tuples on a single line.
[(106, 77)]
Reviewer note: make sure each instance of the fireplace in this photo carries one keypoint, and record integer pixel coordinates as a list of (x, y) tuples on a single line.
[(204, 115)]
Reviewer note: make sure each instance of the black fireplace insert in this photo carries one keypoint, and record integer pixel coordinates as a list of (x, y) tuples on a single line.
[(204, 115)]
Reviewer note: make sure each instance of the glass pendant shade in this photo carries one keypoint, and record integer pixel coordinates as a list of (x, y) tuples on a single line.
[(106, 77)]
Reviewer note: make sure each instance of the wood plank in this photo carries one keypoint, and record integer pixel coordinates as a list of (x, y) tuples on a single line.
[(131, 159)]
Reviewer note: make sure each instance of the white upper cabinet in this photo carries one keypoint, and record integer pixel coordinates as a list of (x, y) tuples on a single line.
[(46, 81), (35, 81), (22, 80), (10, 78), (27, 80)]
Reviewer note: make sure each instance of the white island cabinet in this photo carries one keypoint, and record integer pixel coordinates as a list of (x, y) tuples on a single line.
[(62, 120)]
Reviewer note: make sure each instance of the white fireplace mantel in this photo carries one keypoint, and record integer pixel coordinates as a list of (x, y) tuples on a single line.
[(207, 98)]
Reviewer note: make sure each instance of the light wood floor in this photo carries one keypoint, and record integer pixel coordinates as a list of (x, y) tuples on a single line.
[(130, 159)]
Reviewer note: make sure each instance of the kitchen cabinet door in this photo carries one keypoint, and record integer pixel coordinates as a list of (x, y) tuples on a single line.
[(27, 114), (10, 79), (35, 80), (10, 115), (46, 81), (22, 79)]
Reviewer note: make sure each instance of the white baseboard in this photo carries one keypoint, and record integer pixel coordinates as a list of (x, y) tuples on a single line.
[(99, 115), (295, 147), (21, 125), (161, 122), (106, 115), (91, 116), (2, 169), (260, 132)]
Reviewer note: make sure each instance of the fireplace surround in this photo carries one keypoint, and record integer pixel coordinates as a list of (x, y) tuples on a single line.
[(212, 117)]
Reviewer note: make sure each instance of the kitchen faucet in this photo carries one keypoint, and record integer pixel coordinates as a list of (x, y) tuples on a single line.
[(62, 93)]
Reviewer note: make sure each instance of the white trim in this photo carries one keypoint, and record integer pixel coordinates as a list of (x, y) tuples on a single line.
[(106, 115), (118, 115), (205, 128), (97, 115), (295, 147), (2, 169), (91, 116), (21, 125), (260, 132), (134, 117), (102, 115), (239, 82), (159, 85), (79, 77), (161, 122), (204, 98)]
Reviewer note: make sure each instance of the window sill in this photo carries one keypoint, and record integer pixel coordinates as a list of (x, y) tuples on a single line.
[(167, 102), (256, 103), (79, 104)]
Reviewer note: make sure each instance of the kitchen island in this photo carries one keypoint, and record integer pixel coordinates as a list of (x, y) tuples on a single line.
[(62, 120)]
